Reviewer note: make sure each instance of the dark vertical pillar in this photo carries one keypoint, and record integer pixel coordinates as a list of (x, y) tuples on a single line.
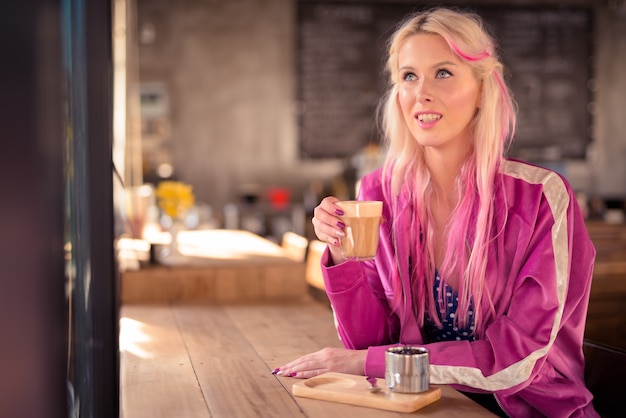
[(33, 318), (93, 361), (58, 282)]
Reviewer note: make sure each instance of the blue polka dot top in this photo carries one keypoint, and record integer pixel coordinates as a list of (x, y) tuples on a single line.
[(450, 331)]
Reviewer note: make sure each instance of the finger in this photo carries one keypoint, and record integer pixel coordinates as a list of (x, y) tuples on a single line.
[(292, 366), (310, 361), (307, 374), (329, 205), (329, 201), (327, 224), (328, 233), (302, 370)]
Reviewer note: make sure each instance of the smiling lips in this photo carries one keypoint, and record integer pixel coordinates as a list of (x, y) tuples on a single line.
[(428, 120), (428, 117)]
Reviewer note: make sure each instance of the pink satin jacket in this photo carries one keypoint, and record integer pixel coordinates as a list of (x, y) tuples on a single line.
[(539, 275)]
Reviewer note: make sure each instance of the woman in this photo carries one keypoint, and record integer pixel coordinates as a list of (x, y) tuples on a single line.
[(483, 260)]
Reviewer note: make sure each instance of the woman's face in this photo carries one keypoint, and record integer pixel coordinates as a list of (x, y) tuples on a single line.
[(438, 93)]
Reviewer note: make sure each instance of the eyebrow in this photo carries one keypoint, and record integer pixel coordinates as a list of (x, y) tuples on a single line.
[(437, 65)]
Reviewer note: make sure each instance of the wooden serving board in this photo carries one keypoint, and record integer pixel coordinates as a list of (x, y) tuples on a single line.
[(354, 390)]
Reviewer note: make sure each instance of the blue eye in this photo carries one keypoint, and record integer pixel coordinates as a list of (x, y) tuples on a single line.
[(409, 77), (443, 74)]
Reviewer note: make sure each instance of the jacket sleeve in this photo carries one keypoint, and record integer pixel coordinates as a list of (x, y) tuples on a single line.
[(356, 290), (362, 314), (547, 257)]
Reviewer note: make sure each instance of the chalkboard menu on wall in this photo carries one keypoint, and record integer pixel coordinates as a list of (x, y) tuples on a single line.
[(548, 57), (340, 75)]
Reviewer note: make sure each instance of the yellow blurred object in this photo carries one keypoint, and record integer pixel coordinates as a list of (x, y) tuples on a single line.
[(175, 198)]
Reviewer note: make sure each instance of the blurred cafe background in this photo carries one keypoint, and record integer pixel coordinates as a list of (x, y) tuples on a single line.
[(258, 109)]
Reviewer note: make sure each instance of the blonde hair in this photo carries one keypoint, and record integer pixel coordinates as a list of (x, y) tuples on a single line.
[(492, 128)]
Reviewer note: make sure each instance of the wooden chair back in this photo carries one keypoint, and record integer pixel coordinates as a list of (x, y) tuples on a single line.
[(295, 246), (313, 270), (605, 372)]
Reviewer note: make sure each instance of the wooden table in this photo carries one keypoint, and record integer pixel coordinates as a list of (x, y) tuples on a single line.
[(218, 266), (209, 360)]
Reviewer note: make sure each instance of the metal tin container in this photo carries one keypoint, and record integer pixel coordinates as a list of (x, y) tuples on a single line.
[(407, 369)]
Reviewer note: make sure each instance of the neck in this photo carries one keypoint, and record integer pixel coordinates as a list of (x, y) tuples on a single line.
[(444, 168)]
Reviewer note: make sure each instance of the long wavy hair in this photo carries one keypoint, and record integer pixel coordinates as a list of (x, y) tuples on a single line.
[(470, 228)]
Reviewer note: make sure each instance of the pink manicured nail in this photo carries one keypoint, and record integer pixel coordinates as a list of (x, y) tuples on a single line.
[(276, 370), (338, 212), (293, 374), (341, 224), (336, 243)]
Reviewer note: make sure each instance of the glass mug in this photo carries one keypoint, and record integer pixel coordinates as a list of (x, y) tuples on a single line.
[(362, 219)]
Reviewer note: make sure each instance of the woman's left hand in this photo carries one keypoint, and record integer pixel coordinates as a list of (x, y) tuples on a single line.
[(328, 359)]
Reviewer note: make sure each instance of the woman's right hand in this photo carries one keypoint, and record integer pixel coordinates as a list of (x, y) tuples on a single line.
[(328, 226)]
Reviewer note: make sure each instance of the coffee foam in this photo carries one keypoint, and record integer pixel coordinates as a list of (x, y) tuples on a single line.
[(358, 208)]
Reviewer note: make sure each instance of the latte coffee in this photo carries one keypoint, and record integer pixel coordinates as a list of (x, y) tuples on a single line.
[(362, 220)]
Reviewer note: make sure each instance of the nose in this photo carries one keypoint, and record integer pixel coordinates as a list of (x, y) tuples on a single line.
[(423, 91)]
